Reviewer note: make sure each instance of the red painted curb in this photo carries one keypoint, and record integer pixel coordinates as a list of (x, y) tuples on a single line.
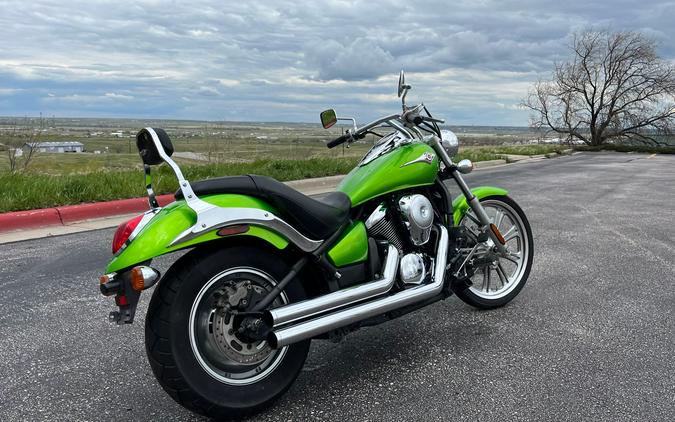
[(69, 214), (31, 219), (72, 213)]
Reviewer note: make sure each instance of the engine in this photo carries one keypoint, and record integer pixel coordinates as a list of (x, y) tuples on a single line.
[(380, 225), (412, 269), (417, 215)]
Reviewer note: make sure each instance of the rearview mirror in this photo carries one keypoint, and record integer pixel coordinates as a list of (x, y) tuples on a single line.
[(328, 118), (401, 83)]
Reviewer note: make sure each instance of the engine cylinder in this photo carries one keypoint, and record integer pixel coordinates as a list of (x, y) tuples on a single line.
[(378, 224)]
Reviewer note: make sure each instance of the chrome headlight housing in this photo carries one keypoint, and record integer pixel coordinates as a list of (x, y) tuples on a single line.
[(449, 142)]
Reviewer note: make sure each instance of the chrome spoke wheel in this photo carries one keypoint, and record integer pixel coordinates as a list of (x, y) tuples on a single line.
[(497, 279), (220, 350)]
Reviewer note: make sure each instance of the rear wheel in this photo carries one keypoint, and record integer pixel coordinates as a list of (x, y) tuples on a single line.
[(497, 283), (192, 343)]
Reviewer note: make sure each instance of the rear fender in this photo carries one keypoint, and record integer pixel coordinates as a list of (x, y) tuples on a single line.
[(157, 237), (460, 206)]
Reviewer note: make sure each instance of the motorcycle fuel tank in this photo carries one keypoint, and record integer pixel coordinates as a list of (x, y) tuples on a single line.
[(407, 166)]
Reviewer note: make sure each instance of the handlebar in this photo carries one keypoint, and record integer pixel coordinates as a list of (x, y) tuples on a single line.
[(341, 140), (413, 116), (350, 136), (360, 131)]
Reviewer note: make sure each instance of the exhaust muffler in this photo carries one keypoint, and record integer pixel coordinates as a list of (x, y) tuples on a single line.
[(294, 333), (311, 307)]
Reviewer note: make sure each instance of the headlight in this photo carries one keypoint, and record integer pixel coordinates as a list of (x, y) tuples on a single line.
[(449, 142)]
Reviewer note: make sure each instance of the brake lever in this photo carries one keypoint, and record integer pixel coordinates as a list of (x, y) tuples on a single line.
[(432, 119)]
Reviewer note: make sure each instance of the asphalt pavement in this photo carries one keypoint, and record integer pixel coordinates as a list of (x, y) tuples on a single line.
[(590, 337)]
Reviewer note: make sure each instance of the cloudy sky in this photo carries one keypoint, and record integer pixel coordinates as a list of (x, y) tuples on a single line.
[(469, 61)]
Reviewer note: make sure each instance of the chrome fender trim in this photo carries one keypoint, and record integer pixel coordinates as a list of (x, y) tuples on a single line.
[(215, 217), (211, 217)]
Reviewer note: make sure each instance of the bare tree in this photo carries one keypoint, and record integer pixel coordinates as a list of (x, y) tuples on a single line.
[(615, 87), (21, 148)]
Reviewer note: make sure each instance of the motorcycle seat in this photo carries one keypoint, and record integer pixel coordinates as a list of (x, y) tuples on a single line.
[(316, 218)]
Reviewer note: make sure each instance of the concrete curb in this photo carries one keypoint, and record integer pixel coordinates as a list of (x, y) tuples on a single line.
[(69, 214), (105, 213), (74, 213), (488, 163), (18, 220), (317, 185)]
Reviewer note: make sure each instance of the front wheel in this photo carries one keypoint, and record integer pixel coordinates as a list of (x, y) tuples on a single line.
[(497, 283), (192, 343)]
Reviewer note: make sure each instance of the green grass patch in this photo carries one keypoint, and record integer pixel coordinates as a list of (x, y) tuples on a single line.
[(498, 152), (629, 148), (66, 179), (23, 191)]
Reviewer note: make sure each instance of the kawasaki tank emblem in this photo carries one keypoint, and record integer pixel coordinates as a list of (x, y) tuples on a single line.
[(427, 157)]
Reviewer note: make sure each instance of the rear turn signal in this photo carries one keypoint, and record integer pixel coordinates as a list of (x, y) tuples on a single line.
[(137, 280), (143, 277), (123, 232)]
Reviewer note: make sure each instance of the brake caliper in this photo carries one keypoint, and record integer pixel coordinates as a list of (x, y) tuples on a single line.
[(235, 330)]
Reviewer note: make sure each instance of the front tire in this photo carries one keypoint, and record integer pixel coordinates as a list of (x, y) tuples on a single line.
[(195, 354), (498, 284)]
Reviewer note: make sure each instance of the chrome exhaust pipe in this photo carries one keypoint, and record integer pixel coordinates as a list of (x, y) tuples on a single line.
[(311, 307), (313, 327)]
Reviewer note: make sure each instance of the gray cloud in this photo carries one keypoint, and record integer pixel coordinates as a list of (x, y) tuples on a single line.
[(362, 58), (471, 61)]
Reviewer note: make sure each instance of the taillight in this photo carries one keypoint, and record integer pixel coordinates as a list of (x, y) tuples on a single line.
[(123, 232)]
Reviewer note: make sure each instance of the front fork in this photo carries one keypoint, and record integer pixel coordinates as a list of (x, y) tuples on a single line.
[(483, 218), (473, 202)]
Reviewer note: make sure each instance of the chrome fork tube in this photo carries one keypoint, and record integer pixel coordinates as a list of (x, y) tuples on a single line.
[(471, 199), (478, 209), (475, 205)]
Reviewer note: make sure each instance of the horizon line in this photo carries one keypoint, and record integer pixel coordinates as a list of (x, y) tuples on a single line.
[(216, 121)]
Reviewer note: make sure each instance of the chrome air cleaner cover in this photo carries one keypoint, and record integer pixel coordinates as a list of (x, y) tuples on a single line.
[(418, 214)]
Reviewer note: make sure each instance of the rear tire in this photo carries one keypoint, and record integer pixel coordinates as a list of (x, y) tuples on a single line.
[(188, 346)]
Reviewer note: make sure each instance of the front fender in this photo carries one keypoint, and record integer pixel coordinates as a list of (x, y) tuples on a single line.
[(460, 205), (155, 238)]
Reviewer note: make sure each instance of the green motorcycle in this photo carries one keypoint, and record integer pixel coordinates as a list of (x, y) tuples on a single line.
[(229, 325)]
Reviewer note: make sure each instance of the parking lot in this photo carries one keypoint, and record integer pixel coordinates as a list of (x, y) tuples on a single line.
[(591, 336)]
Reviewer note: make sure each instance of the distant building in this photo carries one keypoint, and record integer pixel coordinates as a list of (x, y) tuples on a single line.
[(56, 146), (119, 134)]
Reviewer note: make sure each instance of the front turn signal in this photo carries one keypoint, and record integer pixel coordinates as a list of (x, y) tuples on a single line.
[(498, 234)]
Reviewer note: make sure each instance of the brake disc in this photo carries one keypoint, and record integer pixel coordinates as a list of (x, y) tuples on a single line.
[(224, 332)]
